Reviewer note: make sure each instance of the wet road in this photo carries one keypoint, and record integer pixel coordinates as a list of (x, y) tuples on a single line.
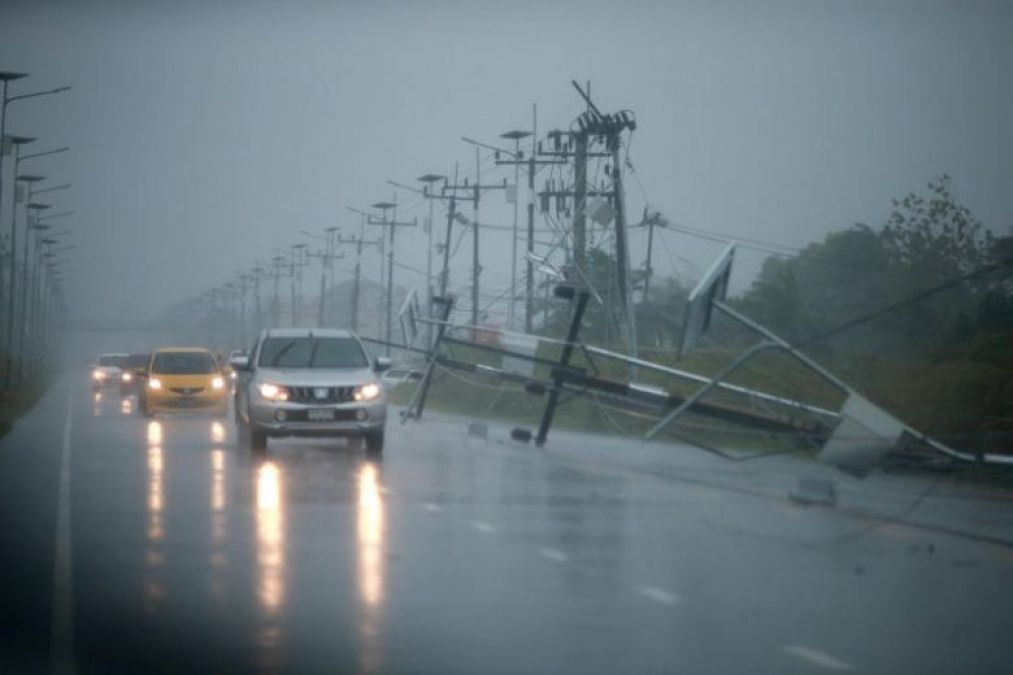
[(160, 546)]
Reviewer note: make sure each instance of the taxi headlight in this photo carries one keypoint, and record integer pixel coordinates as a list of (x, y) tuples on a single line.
[(217, 382), (272, 392), (154, 383), (367, 392)]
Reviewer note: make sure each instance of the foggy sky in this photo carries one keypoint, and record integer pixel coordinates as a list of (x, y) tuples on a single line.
[(204, 134)]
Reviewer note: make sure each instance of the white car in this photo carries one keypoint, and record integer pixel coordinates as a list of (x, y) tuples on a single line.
[(106, 372), (398, 375)]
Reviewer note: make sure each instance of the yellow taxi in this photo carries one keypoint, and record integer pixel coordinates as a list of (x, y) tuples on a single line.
[(184, 378)]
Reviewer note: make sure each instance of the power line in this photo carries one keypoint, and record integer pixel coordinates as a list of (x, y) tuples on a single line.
[(910, 300)]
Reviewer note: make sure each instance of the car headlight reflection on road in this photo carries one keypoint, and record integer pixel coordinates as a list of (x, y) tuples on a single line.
[(367, 392), (217, 382), (154, 383), (273, 392)]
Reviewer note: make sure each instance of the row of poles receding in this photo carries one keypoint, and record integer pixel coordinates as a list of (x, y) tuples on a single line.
[(32, 279), (593, 135)]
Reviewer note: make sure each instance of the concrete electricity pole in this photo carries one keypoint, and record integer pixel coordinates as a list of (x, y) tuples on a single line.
[(326, 261), (476, 192), (358, 242), (592, 126), (386, 208), (427, 180)]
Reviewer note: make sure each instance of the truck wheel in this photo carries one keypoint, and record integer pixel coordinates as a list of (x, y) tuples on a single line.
[(252, 438), (373, 441)]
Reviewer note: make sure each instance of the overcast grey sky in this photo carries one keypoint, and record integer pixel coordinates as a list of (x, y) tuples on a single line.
[(205, 133)]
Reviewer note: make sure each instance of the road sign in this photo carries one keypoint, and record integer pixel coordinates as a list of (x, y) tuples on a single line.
[(700, 305)]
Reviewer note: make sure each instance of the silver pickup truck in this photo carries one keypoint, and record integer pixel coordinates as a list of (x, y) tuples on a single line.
[(310, 382)]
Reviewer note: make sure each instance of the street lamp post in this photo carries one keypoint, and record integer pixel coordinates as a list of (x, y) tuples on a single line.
[(12, 296), (5, 78), (26, 273), (31, 208), (18, 141), (515, 136)]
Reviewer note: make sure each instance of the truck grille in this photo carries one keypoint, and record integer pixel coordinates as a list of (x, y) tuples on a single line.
[(332, 394)]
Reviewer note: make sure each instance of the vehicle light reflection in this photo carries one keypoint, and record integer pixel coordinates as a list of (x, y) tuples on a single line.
[(127, 406), (270, 520), (156, 496), (154, 591), (96, 408), (217, 432), (270, 538), (154, 433), (218, 524), (370, 539)]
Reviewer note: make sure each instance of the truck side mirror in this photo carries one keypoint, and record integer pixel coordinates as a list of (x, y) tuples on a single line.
[(381, 363), (241, 363)]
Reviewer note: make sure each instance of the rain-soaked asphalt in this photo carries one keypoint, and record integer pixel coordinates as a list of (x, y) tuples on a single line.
[(178, 551)]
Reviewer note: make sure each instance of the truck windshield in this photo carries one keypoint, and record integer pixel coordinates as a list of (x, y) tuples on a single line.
[(312, 352)]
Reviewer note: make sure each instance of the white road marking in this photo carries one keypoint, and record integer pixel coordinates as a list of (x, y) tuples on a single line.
[(433, 508), (485, 528), (817, 657), (554, 554), (61, 657), (659, 595)]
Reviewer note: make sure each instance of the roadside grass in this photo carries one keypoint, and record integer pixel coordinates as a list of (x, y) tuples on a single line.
[(15, 403)]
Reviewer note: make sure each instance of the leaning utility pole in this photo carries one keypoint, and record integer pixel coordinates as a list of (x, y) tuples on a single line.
[(476, 192)]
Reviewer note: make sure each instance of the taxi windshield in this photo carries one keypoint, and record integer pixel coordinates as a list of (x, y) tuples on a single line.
[(184, 363)]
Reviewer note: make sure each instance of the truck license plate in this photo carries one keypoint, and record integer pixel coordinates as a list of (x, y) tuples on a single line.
[(320, 414)]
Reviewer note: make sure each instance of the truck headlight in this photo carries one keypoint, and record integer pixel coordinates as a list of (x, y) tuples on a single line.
[(367, 392), (217, 382), (272, 392), (127, 377), (98, 374)]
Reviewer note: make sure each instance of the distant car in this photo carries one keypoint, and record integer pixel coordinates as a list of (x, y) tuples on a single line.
[(133, 372), (234, 357), (398, 375), (184, 378), (311, 382), (107, 369)]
